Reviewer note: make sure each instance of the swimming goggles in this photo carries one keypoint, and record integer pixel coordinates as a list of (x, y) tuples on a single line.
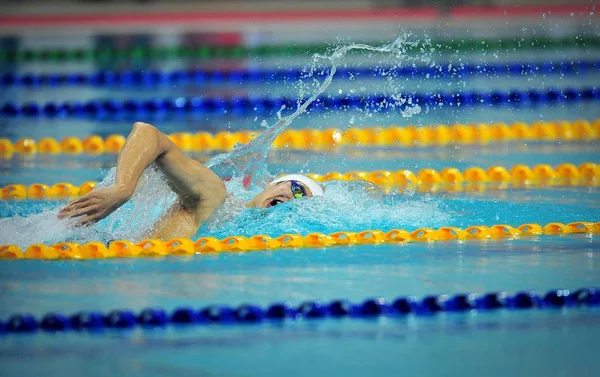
[(298, 190)]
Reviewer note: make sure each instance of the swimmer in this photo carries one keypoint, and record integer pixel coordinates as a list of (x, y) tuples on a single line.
[(200, 191)]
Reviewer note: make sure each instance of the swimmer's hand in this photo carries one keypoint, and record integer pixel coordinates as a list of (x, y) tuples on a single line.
[(96, 205)]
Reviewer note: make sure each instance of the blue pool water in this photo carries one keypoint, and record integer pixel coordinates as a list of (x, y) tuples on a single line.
[(349, 348), (262, 278), (419, 210), (511, 342), (50, 169), (474, 343)]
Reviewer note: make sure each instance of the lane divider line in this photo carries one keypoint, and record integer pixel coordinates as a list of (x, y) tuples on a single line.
[(206, 52), (236, 244), (245, 105), (330, 138), (127, 79), (309, 310), (473, 179)]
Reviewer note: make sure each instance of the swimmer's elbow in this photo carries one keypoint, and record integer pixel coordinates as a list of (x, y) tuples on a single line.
[(150, 134), (145, 130), (143, 126)]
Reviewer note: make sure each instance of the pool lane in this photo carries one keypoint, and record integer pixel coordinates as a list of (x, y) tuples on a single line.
[(262, 278), (50, 169), (37, 128)]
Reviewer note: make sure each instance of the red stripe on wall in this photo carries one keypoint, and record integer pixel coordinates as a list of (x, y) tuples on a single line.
[(298, 16), (172, 18)]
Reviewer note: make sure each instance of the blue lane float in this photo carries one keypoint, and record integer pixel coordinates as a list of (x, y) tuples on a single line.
[(240, 76), (369, 308), (243, 106)]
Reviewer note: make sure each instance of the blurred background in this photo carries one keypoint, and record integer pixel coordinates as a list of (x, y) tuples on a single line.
[(109, 55)]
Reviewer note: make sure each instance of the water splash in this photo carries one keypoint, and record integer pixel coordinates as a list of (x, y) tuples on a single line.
[(132, 221), (346, 205), (249, 159)]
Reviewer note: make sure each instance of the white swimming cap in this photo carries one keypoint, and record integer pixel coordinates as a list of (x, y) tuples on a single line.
[(314, 187)]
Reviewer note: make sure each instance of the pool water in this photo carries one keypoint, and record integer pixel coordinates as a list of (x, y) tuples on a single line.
[(513, 342), (351, 348), (503, 342), (262, 278)]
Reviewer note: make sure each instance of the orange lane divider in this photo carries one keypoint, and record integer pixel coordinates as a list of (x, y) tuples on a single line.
[(311, 139), (211, 245), (426, 180)]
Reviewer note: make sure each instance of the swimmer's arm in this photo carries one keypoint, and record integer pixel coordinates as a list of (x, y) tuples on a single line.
[(196, 185), (190, 179)]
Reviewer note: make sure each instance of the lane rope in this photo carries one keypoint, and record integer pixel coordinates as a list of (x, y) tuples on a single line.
[(309, 310), (311, 139), (212, 245), (202, 76), (205, 52), (243, 105), (449, 179)]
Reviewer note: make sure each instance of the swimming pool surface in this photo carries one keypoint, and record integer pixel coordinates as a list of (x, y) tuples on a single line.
[(558, 341), (515, 342)]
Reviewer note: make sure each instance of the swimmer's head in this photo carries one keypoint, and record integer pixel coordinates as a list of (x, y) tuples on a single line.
[(283, 189)]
